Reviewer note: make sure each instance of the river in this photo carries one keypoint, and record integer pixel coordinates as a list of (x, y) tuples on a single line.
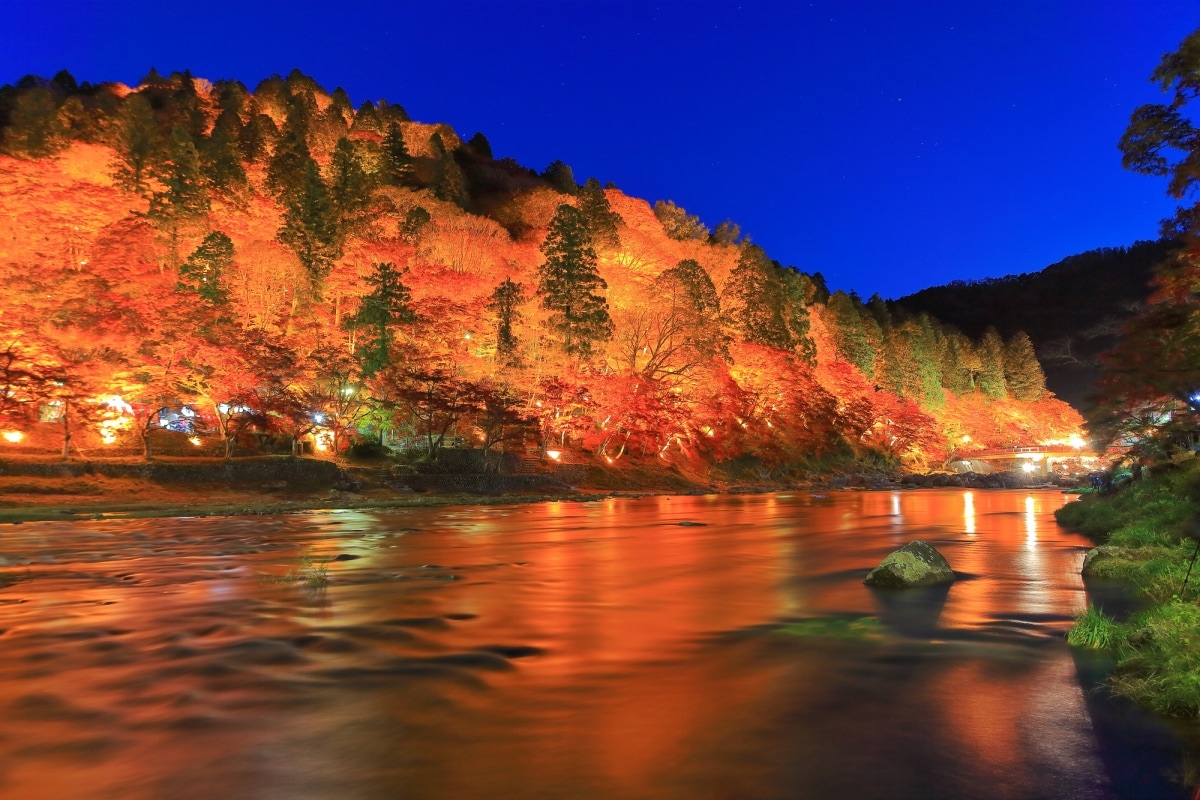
[(661, 647)]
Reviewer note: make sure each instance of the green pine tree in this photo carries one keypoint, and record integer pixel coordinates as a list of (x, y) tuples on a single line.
[(34, 129), (395, 164), (221, 156), (755, 301), (561, 177), (480, 146), (505, 305), (960, 364), (1022, 373), (259, 138), (349, 189), (991, 365), (570, 285), (139, 144), (601, 220), (310, 227), (182, 195), (849, 334), (287, 168), (449, 182), (380, 312), (798, 293), (203, 272)]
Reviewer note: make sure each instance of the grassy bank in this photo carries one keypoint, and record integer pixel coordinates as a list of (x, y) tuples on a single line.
[(1144, 532)]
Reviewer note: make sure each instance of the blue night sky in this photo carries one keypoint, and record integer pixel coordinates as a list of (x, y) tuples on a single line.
[(890, 146)]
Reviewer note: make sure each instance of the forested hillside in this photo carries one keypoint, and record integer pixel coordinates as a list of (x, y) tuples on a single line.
[(285, 262), (1072, 310)]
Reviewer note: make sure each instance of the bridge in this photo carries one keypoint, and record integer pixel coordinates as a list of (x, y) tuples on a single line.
[(1034, 459)]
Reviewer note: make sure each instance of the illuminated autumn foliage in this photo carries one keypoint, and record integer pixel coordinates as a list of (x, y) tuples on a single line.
[(243, 267)]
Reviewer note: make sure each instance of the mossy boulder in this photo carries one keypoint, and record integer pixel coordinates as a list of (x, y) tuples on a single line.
[(917, 563), (1093, 562)]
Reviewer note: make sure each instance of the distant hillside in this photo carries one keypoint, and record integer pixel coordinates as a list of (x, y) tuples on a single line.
[(280, 267), (1072, 308)]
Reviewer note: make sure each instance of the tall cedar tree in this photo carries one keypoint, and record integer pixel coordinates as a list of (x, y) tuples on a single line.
[(601, 220), (991, 365), (286, 171), (960, 364), (310, 227), (449, 182), (561, 177), (505, 306), (350, 188), (34, 130), (688, 292), (569, 285), (1022, 373), (139, 144), (204, 271), (259, 138), (384, 308), (183, 197), (798, 292), (221, 156), (396, 164), (849, 335), (755, 302)]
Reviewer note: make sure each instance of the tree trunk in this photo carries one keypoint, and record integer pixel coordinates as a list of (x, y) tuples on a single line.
[(66, 423)]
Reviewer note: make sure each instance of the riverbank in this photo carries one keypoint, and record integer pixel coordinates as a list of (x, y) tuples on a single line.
[(1146, 532), (48, 489)]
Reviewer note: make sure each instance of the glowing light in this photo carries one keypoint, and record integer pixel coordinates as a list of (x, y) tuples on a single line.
[(467, 336), (194, 440), (966, 439), (539, 404), (318, 418), (1029, 466), (117, 404), (554, 454), (223, 408), (1075, 440), (13, 436), (348, 390)]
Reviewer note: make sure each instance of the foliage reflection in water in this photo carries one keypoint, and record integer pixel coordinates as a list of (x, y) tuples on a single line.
[(718, 646)]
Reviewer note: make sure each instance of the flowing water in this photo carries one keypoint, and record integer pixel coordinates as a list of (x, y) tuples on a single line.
[(663, 647)]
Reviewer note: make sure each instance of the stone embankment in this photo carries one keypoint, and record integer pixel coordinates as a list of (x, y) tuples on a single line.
[(966, 480)]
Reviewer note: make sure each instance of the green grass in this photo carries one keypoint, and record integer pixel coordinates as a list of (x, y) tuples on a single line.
[(1094, 630), (1159, 659), (1158, 650)]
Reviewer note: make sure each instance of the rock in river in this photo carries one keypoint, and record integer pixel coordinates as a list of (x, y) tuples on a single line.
[(915, 564)]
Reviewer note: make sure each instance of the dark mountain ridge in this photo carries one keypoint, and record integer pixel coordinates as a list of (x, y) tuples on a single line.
[(1071, 310)]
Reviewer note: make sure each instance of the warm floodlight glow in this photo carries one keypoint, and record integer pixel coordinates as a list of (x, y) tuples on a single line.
[(1029, 466), (966, 439), (1075, 440), (554, 454), (13, 436), (194, 440), (117, 403)]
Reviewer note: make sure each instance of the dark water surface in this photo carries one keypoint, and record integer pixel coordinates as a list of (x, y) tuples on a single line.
[(562, 650)]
